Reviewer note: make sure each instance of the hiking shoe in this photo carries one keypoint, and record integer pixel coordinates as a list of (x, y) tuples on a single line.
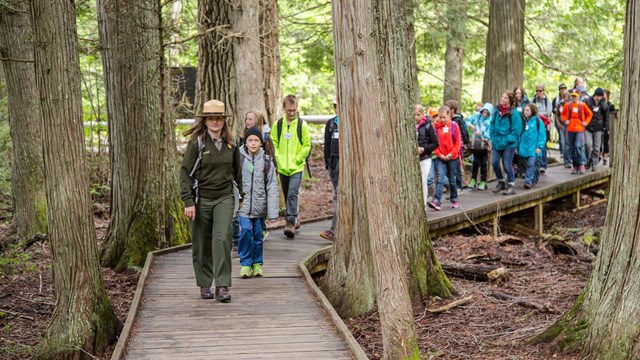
[(527, 186), (434, 205), (206, 293), (510, 190), (297, 223), (327, 235), (257, 269), (575, 170), (245, 272), (223, 294), (581, 169), (604, 161), (472, 183), (543, 170), (454, 204), (289, 230), (593, 168), (500, 186), (482, 185)]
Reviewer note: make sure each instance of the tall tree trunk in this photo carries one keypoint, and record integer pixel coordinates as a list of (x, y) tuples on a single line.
[(144, 206), (270, 52), (248, 58), (456, 16), (83, 320), (16, 32), (375, 91), (505, 48), (411, 43), (604, 321), (216, 63)]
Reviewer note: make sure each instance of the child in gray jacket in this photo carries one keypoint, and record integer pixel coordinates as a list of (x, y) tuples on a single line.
[(260, 202)]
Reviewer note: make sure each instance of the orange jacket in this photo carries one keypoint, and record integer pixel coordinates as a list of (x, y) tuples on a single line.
[(576, 114)]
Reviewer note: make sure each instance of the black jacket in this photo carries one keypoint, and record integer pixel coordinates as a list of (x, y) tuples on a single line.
[(459, 119), (331, 141), (427, 139), (600, 114)]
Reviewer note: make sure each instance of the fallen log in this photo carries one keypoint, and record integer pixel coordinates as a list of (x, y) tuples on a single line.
[(546, 308), (450, 306), (474, 272)]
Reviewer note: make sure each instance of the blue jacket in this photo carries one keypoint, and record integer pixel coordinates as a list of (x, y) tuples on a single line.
[(505, 130), (482, 124), (533, 137)]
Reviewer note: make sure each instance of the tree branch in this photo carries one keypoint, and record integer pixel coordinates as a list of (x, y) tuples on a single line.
[(550, 67)]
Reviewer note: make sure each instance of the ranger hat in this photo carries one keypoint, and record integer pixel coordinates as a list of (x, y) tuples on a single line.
[(213, 108)]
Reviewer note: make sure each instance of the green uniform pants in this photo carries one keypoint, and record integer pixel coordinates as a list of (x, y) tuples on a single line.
[(211, 243)]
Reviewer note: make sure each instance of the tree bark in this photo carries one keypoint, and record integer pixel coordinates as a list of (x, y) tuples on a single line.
[(270, 52), (505, 49), (456, 16), (216, 67), (248, 59), (83, 320), (375, 93), (411, 43), (604, 321), (145, 211), (30, 214)]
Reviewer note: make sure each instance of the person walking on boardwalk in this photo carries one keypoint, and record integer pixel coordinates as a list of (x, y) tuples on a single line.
[(332, 164), (545, 110), (479, 124), (447, 153), (505, 129), (576, 116), (210, 165), (292, 145), (427, 143), (558, 104), (594, 131), (261, 201), (532, 144)]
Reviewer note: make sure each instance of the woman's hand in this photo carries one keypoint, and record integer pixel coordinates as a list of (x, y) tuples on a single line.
[(190, 212), (537, 151)]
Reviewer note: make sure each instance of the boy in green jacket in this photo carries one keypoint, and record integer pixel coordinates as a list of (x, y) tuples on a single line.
[(292, 145)]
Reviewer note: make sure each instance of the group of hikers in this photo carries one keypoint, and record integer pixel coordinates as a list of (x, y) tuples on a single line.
[(230, 189), (515, 133)]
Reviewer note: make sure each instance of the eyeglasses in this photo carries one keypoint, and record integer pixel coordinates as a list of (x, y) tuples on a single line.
[(291, 111)]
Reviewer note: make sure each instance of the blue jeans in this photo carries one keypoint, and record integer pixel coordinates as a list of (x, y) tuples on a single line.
[(446, 169), (566, 150), (251, 241), (543, 158), (576, 148), (533, 170), (459, 171), (561, 137), (506, 156), (432, 174)]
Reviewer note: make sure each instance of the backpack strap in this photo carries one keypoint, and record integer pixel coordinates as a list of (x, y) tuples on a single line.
[(299, 130), (196, 165), (279, 127)]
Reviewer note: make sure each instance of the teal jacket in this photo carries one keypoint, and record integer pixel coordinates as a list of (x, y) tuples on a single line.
[(506, 130), (482, 124), (533, 137)]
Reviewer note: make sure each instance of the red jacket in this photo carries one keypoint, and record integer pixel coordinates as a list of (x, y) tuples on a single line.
[(449, 138)]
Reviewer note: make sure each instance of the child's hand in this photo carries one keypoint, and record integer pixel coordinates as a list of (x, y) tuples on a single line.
[(537, 151)]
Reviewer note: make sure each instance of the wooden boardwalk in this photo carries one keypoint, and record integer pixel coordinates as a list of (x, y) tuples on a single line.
[(273, 317), (278, 316)]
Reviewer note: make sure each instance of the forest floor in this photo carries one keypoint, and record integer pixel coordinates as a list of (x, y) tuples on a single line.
[(486, 328)]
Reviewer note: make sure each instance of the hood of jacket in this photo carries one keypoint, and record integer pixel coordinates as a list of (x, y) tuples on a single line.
[(489, 107)]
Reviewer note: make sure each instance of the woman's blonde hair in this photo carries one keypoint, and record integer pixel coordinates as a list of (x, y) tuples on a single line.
[(259, 120), (200, 130)]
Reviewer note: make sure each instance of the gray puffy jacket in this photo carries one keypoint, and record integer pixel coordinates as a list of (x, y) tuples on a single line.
[(261, 195)]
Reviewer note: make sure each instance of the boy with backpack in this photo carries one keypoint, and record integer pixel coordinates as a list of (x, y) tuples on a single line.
[(260, 201), (292, 146)]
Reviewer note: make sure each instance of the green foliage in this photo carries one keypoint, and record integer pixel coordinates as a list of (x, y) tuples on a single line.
[(15, 261)]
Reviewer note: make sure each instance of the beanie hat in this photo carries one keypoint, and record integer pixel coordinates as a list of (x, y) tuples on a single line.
[(253, 131), (598, 92)]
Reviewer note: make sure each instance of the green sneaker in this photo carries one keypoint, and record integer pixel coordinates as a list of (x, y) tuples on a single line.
[(245, 272), (472, 183), (482, 185), (257, 269)]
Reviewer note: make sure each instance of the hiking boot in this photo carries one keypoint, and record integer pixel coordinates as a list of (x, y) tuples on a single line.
[(454, 204), (500, 186), (567, 166), (575, 170), (257, 269), (245, 272), (223, 294), (434, 205), (289, 230), (297, 223), (206, 293), (581, 169), (482, 185), (472, 183), (527, 186), (510, 190), (543, 170), (327, 235)]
